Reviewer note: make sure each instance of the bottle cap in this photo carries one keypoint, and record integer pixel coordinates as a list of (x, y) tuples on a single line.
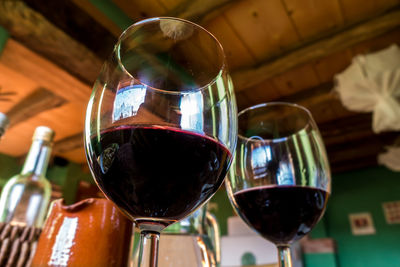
[(4, 122), (43, 133)]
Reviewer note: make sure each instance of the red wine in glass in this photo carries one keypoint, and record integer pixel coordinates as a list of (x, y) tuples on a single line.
[(281, 214), (279, 182), (158, 172)]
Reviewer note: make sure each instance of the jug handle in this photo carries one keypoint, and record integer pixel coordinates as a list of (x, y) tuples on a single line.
[(211, 220)]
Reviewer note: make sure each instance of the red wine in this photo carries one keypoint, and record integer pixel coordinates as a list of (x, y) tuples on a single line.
[(281, 214), (158, 173)]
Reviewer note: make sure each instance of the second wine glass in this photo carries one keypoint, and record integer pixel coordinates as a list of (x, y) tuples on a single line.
[(161, 125), (279, 182)]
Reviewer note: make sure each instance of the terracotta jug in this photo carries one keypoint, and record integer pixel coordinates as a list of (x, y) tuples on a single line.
[(89, 233)]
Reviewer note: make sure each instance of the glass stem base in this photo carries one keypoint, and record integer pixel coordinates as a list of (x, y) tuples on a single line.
[(284, 256), (148, 251)]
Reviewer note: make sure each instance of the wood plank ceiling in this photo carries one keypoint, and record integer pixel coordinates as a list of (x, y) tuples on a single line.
[(286, 50)]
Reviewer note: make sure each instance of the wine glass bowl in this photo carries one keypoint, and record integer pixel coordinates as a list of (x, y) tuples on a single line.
[(279, 181), (161, 123), (170, 54)]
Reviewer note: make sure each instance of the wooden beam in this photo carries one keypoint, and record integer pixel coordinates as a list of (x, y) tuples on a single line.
[(360, 153), (38, 101), (36, 32), (99, 16), (377, 142), (304, 96), (200, 11), (248, 77), (85, 23), (363, 147), (347, 129), (44, 73), (69, 143), (77, 23), (317, 99)]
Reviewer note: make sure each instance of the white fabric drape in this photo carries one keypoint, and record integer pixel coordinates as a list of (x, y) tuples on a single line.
[(372, 84)]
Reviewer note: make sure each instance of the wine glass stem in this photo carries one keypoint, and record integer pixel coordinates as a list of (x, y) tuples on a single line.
[(284, 256), (148, 251)]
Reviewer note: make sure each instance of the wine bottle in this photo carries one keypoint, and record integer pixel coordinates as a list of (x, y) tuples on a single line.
[(25, 197), (3, 123)]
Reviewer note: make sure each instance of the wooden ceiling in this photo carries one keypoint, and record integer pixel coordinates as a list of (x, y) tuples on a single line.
[(286, 50)]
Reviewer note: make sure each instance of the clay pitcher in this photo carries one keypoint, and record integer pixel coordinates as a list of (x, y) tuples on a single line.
[(89, 233)]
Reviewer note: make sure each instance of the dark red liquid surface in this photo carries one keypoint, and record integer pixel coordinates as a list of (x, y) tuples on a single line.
[(281, 214), (158, 173)]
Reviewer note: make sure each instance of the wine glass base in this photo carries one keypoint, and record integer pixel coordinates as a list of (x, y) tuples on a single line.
[(152, 226)]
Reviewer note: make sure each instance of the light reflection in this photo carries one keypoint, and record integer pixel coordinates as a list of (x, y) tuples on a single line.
[(192, 111), (285, 173), (114, 218), (205, 262), (58, 217), (98, 120), (33, 206), (307, 173), (16, 195), (127, 101), (64, 241), (222, 106), (260, 158)]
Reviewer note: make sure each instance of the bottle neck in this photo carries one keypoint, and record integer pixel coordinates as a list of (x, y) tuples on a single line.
[(37, 159)]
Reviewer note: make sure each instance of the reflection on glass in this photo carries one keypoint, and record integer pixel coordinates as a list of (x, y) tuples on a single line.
[(16, 196), (33, 206), (284, 174), (127, 101), (191, 111), (260, 157)]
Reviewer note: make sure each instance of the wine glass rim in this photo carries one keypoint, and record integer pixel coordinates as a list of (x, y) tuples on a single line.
[(172, 92), (276, 103)]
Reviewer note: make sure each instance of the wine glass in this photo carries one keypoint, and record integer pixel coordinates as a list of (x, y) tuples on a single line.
[(279, 181), (161, 125)]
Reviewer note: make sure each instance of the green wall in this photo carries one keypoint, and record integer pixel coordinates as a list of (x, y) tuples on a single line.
[(352, 192), (320, 260), (221, 208), (8, 168), (364, 191)]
